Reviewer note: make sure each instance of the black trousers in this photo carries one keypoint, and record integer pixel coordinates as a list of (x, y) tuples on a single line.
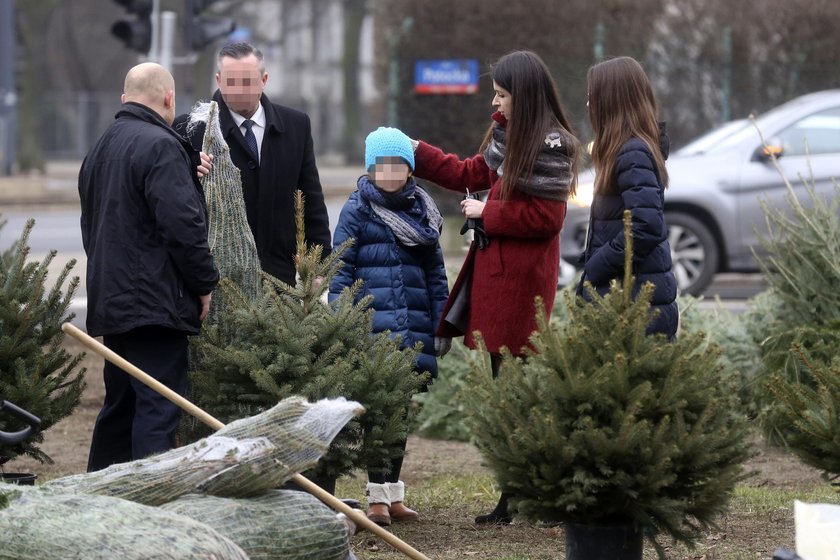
[(135, 421)]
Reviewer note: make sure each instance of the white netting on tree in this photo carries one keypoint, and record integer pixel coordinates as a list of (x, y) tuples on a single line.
[(41, 524), (245, 458), (230, 237), (279, 524)]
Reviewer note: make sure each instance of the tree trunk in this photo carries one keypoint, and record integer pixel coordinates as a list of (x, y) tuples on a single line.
[(354, 15)]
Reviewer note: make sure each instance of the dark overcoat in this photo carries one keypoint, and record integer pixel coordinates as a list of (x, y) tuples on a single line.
[(287, 164)]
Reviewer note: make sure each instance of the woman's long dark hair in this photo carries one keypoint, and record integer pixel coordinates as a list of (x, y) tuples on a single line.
[(536, 110), (621, 106)]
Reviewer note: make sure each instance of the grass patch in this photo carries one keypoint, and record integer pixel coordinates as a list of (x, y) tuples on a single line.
[(750, 500), (760, 520)]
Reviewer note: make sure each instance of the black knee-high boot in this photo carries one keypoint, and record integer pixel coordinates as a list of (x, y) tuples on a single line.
[(499, 515)]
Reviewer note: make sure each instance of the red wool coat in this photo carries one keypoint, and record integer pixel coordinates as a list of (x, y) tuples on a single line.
[(521, 262)]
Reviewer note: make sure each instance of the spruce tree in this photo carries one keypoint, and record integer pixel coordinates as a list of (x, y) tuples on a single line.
[(802, 269), (812, 414), (289, 341), (603, 424), (36, 373)]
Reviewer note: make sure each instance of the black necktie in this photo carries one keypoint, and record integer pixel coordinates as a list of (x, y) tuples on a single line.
[(250, 139)]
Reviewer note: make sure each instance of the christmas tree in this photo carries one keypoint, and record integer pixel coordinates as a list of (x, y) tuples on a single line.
[(812, 414), (36, 373), (603, 424), (802, 269), (289, 341)]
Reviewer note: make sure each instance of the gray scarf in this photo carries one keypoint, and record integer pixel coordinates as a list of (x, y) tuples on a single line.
[(404, 231), (411, 214), (552, 173)]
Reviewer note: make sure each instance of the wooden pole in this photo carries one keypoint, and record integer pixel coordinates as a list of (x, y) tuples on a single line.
[(358, 517)]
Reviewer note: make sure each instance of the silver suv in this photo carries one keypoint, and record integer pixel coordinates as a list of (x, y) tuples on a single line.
[(712, 204)]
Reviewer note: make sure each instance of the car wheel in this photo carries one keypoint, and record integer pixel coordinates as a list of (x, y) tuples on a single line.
[(694, 252)]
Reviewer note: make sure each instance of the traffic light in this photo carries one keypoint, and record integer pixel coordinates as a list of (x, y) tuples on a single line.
[(202, 30), (135, 33)]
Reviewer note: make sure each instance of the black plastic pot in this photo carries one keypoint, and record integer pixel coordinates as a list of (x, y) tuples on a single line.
[(602, 542), (24, 479)]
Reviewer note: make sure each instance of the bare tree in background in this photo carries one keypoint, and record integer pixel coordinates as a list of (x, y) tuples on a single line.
[(354, 16), (32, 19)]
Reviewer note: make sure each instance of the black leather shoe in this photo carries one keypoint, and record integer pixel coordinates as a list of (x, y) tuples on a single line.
[(493, 518), (499, 515)]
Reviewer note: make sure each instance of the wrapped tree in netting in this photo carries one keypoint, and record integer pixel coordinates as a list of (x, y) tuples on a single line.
[(229, 236), (36, 373), (270, 340), (802, 270), (279, 524), (37, 524), (245, 458), (602, 424)]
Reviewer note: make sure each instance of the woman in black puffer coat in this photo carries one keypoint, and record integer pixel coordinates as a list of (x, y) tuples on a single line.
[(630, 175)]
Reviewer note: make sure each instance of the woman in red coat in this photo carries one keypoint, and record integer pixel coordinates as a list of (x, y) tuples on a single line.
[(528, 161)]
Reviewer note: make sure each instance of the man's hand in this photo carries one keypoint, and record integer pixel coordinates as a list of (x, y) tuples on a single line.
[(205, 166), (205, 305)]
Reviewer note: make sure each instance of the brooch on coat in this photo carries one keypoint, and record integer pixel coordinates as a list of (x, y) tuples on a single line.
[(553, 140)]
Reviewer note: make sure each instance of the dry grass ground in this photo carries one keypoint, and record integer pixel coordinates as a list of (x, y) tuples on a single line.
[(448, 484)]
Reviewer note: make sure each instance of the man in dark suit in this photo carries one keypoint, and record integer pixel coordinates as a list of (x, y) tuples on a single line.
[(272, 147)]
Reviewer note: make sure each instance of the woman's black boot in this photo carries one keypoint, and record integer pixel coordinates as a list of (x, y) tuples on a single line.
[(499, 515)]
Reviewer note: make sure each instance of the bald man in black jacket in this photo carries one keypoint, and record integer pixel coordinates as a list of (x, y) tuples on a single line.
[(149, 268)]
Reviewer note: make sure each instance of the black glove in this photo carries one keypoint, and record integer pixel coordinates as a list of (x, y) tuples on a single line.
[(479, 235), (477, 225)]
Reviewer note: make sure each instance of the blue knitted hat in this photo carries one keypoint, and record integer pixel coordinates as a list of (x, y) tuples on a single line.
[(388, 142)]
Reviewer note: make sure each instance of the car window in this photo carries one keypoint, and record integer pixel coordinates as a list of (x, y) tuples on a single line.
[(764, 122), (712, 138), (818, 134)]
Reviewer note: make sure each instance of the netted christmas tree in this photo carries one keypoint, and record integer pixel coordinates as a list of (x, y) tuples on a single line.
[(802, 269), (230, 238), (602, 424), (272, 340), (36, 373)]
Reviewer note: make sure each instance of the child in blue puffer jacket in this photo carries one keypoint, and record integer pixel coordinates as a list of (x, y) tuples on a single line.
[(397, 254)]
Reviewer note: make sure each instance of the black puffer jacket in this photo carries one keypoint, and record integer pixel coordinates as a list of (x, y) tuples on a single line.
[(640, 191), (144, 227)]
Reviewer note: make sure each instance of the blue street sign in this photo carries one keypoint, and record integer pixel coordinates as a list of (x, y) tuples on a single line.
[(446, 76)]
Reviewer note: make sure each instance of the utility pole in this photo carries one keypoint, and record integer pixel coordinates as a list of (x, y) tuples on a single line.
[(8, 95), (166, 35)]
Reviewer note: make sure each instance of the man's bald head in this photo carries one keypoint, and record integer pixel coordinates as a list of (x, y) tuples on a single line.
[(151, 85)]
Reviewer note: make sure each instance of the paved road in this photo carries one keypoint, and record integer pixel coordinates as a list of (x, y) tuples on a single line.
[(58, 228)]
